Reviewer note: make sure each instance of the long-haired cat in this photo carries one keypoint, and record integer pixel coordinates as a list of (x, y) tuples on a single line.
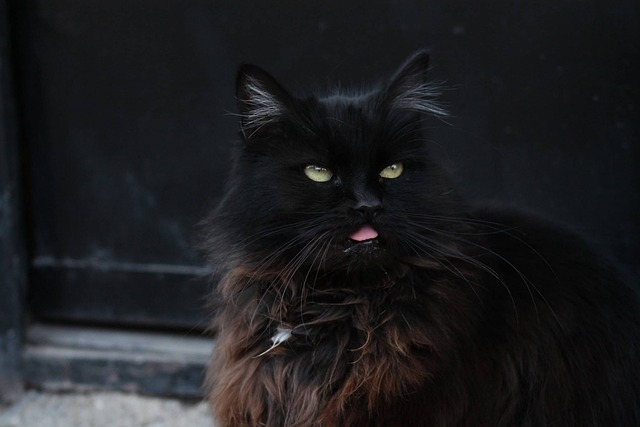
[(356, 288)]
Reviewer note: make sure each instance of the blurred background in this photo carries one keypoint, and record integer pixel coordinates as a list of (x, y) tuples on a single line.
[(118, 118)]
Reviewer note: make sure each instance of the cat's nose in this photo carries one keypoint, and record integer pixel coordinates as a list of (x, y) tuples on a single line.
[(369, 212), (368, 206)]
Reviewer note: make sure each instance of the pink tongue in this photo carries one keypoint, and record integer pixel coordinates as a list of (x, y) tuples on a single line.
[(366, 232)]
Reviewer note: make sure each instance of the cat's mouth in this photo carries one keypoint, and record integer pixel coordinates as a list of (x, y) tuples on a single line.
[(364, 234), (362, 241)]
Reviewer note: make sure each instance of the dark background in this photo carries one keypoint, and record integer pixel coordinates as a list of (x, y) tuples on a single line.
[(124, 112)]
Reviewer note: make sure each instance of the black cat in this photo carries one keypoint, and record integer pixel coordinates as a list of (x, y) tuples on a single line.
[(357, 289)]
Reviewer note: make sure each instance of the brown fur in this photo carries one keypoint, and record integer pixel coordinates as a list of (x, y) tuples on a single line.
[(376, 360)]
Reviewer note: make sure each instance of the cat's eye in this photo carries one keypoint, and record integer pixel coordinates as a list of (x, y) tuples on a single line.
[(392, 171), (318, 173)]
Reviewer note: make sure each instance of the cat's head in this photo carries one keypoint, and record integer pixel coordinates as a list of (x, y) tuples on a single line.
[(343, 180)]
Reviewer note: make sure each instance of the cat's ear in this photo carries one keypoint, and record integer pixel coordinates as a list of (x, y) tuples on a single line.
[(409, 88), (261, 100)]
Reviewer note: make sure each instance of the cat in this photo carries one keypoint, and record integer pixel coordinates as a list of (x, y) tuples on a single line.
[(357, 288)]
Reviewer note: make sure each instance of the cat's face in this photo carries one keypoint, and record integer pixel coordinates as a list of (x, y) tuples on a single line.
[(343, 180)]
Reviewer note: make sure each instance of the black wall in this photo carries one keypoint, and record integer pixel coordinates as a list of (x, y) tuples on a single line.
[(13, 269), (126, 121)]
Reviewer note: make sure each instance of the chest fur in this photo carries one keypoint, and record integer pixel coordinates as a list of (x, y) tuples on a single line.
[(319, 365)]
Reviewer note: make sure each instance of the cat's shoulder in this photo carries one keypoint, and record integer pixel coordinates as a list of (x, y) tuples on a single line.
[(527, 224), (520, 233), (556, 258)]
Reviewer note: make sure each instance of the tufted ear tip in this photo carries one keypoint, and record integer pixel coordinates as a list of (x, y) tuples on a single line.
[(261, 99), (410, 88), (417, 63)]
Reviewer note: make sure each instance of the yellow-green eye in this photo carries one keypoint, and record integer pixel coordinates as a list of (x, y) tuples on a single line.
[(318, 173), (392, 171)]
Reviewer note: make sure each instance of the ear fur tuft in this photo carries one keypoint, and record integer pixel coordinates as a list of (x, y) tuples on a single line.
[(410, 90), (261, 99)]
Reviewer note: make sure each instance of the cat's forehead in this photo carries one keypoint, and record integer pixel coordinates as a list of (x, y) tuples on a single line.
[(358, 125), (345, 126), (340, 99)]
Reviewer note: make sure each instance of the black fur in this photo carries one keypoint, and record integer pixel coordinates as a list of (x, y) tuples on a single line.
[(453, 316)]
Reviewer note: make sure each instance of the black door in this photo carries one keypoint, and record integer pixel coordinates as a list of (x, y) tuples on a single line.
[(125, 106)]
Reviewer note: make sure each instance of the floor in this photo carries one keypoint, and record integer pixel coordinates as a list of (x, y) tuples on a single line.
[(103, 409)]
